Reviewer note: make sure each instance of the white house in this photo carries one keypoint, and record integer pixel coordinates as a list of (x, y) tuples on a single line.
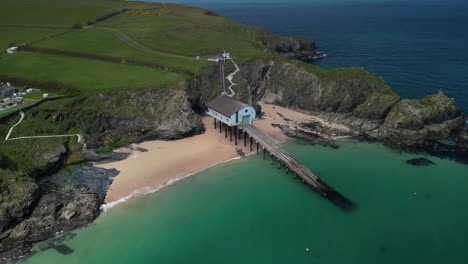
[(12, 50), (230, 111)]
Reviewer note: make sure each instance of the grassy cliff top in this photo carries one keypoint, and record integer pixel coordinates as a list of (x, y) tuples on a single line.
[(170, 36)]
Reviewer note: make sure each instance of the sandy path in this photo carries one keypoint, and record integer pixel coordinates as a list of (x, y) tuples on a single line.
[(166, 161)]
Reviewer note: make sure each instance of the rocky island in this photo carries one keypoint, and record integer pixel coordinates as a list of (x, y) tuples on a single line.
[(36, 201)]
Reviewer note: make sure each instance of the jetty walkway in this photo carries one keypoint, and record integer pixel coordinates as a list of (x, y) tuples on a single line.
[(296, 167)]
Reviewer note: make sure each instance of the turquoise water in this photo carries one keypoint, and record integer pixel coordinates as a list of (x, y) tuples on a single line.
[(248, 211)]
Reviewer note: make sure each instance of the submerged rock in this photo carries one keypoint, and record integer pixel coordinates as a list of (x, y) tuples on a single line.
[(309, 137), (420, 162)]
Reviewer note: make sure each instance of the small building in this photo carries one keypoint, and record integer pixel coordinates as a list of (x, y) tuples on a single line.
[(231, 111), (226, 55), (12, 50), (31, 90), (6, 90)]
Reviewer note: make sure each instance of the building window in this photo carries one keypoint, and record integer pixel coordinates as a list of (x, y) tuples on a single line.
[(246, 110)]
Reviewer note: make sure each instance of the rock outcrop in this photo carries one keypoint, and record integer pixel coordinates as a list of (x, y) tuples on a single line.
[(64, 201), (414, 121), (145, 115), (297, 47), (18, 193)]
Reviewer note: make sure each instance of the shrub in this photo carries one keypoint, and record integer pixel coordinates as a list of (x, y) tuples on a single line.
[(76, 26)]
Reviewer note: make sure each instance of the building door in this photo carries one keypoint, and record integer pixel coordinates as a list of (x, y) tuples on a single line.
[(246, 120)]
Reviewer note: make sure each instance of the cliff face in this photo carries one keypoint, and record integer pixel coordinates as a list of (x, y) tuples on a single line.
[(356, 92), (36, 201), (147, 114), (350, 96)]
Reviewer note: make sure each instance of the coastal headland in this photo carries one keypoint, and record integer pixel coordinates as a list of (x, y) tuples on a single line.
[(135, 83)]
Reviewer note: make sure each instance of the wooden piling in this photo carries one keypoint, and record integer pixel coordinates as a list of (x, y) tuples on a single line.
[(236, 131)]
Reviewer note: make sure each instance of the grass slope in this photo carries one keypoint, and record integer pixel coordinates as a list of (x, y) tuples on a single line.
[(60, 12), (24, 35), (189, 31), (89, 75), (106, 43)]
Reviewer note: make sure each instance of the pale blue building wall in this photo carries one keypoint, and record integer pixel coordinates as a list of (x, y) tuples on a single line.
[(231, 120)]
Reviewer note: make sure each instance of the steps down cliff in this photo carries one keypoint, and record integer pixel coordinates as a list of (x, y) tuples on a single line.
[(351, 96)]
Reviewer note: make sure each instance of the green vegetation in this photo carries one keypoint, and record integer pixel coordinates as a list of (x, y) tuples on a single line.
[(38, 95), (12, 109), (116, 142), (415, 113), (101, 42), (59, 12), (189, 31), (14, 36), (89, 75)]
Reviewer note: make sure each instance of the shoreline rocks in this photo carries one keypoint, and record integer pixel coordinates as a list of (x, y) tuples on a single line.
[(65, 201)]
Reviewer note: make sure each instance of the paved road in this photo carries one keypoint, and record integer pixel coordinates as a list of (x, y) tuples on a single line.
[(11, 129)]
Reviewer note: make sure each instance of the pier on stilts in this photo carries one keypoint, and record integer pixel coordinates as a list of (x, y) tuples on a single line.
[(235, 119), (298, 169)]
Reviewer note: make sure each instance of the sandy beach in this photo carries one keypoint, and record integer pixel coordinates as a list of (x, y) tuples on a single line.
[(166, 161)]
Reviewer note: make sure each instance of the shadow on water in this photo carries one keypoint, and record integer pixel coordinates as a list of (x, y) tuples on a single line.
[(57, 244)]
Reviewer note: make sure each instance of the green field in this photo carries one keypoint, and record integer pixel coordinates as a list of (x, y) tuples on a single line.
[(24, 35), (60, 12), (88, 75), (188, 31), (92, 41)]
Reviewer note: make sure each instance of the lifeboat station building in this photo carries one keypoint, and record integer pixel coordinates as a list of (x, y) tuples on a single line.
[(230, 115)]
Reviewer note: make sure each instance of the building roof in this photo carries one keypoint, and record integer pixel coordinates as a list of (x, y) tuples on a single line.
[(226, 105)]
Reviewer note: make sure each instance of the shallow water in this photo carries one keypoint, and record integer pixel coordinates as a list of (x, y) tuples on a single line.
[(248, 211)]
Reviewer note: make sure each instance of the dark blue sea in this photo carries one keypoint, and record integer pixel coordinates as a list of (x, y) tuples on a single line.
[(418, 47)]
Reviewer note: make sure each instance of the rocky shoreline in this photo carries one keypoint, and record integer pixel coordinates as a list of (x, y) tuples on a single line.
[(61, 202)]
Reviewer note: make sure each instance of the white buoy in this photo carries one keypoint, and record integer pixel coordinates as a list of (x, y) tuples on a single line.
[(307, 249)]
